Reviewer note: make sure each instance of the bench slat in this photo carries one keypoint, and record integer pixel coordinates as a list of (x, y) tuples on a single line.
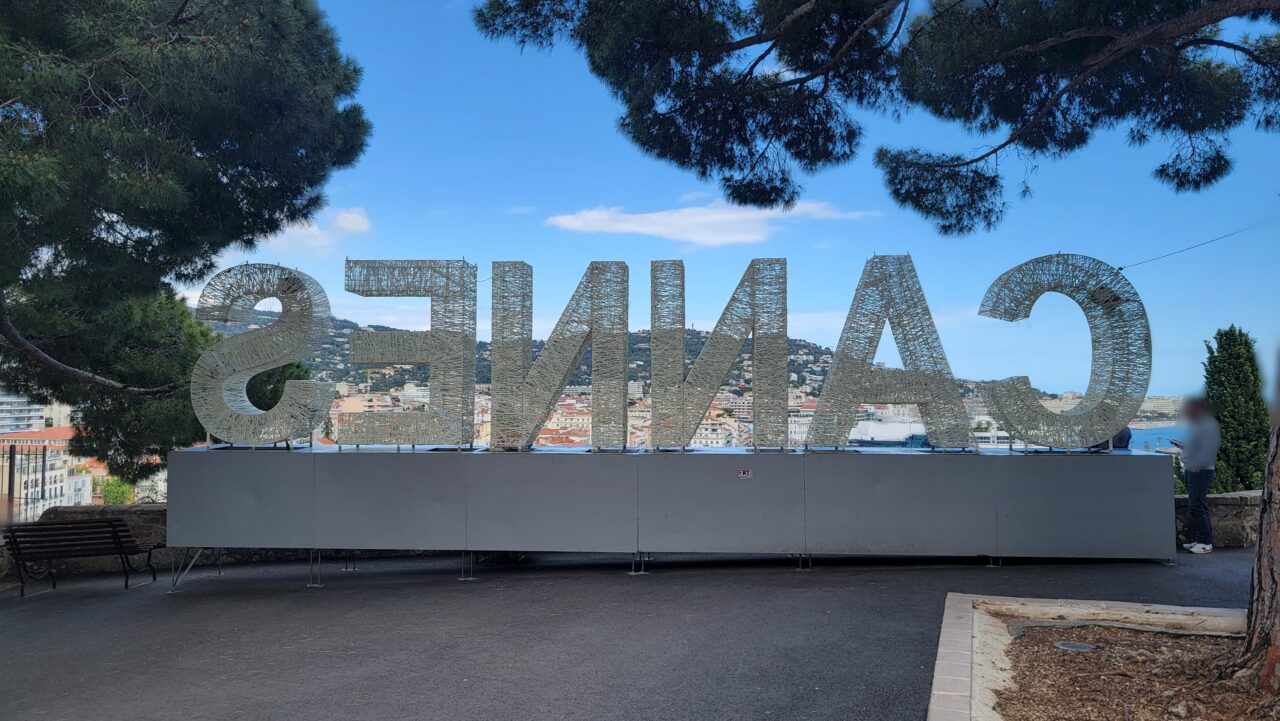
[(45, 540), (49, 540), (62, 542), (70, 553), (109, 549)]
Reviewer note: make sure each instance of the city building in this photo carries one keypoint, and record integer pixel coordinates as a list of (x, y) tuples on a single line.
[(44, 472), (884, 432), (1166, 407), (412, 394), (58, 414), (987, 434), (713, 433), (19, 413), (364, 403), (799, 418)]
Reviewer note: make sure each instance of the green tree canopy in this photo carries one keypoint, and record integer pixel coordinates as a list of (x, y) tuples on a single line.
[(138, 140), (1233, 387), (115, 491), (749, 93)]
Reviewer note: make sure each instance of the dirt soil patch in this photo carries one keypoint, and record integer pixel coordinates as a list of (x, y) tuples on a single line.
[(1129, 675)]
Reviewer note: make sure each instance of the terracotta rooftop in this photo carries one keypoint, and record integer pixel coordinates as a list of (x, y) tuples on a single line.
[(56, 433)]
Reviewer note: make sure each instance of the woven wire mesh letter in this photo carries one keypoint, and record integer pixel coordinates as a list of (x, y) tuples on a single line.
[(219, 383), (890, 291), (1121, 338), (449, 348), (524, 392), (510, 351), (757, 309)]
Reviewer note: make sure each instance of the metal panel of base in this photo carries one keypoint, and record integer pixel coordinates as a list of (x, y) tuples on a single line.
[(242, 499), (878, 502), (390, 500), (721, 502), (921, 504), (551, 502)]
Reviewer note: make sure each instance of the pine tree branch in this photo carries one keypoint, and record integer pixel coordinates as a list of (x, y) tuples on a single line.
[(1163, 33), (844, 49), (1170, 30), (920, 31), (751, 69), (1021, 130), (1244, 50), (177, 18), (772, 35), (1064, 38), (14, 339)]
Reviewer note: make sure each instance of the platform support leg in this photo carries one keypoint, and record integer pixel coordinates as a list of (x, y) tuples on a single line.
[(637, 564), (314, 560), (179, 573), (468, 566)]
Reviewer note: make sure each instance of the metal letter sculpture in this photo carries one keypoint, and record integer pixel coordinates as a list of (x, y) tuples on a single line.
[(1121, 339), (757, 309), (890, 291), (525, 392), (219, 383), (449, 348)]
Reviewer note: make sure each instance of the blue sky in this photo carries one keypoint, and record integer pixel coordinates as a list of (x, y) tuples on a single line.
[(482, 151)]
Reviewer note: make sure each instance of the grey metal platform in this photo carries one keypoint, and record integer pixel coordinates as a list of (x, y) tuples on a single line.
[(875, 501)]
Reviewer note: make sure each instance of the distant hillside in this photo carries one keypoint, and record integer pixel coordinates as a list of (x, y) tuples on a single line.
[(807, 361)]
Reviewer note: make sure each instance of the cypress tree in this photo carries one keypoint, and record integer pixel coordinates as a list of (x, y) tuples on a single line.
[(1233, 387)]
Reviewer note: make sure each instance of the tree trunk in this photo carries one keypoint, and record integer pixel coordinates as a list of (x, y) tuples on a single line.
[(1260, 661)]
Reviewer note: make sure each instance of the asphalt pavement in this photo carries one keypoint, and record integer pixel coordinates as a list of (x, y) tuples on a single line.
[(558, 636)]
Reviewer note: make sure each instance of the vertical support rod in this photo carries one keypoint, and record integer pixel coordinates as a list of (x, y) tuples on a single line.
[(13, 470), (468, 566), (639, 557), (313, 571)]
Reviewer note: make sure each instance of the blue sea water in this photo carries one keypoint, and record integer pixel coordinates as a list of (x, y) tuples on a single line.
[(1150, 439)]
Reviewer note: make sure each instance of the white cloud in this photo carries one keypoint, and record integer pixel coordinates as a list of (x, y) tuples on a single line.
[(714, 224), (353, 221), (695, 196), (311, 239)]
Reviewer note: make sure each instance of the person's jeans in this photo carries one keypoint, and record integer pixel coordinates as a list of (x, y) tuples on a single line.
[(1198, 483)]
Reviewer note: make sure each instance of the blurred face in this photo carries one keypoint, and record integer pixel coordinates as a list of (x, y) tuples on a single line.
[(1193, 411)]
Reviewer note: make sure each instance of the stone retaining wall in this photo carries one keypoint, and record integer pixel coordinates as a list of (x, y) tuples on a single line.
[(1235, 518)]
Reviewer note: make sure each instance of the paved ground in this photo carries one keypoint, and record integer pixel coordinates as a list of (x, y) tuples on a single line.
[(560, 637)]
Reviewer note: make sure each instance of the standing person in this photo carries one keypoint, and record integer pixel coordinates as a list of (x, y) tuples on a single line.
[(1199, 455)]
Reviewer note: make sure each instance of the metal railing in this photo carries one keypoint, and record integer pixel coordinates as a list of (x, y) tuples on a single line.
[(28, 490)]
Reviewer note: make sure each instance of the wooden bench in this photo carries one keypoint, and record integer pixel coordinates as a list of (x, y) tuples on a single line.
[(47, 541)]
